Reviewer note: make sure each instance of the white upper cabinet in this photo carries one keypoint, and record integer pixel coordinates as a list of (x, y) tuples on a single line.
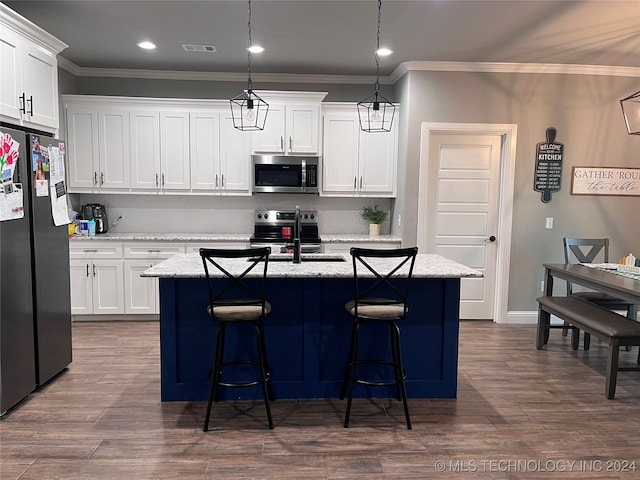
[(220, 154), (145, 149), (357, 163), (159, 150), (29, 79), (98, 146), (292, 126), (174, 150)]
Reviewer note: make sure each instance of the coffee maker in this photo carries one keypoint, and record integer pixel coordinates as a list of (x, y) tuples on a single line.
[(98, 213)]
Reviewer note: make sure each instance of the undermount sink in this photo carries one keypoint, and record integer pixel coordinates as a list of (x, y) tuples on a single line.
[(307, 258)]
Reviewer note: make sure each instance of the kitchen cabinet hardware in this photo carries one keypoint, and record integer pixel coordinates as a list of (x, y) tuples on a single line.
[(95, 178), (156, 179), (222, 176), (30, 102), (216, 180), (94, 269), (163, 180), (87, 269), (290, 144), (101, 178), (23, 102)]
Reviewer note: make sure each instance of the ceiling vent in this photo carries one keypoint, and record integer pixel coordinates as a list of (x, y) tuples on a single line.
[(199, 48)]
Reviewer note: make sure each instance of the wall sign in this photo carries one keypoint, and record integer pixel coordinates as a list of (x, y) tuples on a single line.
[(605, 181), (548, 172)]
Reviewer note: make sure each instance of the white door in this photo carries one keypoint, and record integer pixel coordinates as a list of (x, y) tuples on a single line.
[(114, 134), (204, 135), (463, 190), (82, 146), (235, 158), (108, 294), (140, 293), (11, 90), (340, 154), (81, 283), (40, 77), (174, 151), (145, 150), (302, 128)]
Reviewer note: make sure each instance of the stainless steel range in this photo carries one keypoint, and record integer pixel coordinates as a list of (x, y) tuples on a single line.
[(277, 229)]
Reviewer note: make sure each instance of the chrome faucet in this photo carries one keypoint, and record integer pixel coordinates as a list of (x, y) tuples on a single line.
[(297, 247)]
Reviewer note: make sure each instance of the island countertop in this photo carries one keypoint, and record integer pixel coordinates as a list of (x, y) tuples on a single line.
[(313, 266)]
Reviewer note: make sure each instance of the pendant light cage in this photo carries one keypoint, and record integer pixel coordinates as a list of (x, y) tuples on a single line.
[(376, 112), (248, 110), (631, 113)]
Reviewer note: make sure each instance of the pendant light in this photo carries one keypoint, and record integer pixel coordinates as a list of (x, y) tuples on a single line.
[(631, 112), (248, 110), (376, 112)]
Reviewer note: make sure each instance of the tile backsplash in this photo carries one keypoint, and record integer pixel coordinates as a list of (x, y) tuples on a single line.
[(217, 214)]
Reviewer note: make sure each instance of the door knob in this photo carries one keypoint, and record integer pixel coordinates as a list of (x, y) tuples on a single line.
[(491, 239)]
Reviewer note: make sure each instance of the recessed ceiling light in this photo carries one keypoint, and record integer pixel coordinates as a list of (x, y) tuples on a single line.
[(147, 45), (383, 52), (256, 49)]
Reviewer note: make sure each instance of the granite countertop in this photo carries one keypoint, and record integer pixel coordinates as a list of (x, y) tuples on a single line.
[(189, 265), (225, 237)]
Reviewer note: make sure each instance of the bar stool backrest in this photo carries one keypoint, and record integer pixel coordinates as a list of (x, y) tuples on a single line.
[(382, 277), (232, 290)]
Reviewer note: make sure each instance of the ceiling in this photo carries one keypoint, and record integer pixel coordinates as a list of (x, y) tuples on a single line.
[(331, 37)]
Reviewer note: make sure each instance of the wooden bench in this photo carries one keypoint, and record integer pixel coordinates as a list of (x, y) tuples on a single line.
[(604, 324)]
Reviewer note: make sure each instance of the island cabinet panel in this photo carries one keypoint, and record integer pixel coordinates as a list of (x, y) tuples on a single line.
[(307, 338)]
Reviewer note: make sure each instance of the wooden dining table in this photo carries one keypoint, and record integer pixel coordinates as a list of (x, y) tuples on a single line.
[(611, 282)]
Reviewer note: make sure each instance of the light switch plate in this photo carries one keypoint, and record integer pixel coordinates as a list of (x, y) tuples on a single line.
[(549, 223)]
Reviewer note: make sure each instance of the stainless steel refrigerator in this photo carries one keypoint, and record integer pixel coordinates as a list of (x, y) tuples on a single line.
[(35, 309)]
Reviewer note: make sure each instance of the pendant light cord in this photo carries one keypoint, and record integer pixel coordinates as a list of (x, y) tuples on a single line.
[(249, 85), (377, 86)]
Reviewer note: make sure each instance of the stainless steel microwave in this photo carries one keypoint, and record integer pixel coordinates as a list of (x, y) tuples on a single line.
[(280, 174)]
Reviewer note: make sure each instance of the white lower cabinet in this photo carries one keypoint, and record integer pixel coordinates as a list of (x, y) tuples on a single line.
[(141, 294), (96, 279)]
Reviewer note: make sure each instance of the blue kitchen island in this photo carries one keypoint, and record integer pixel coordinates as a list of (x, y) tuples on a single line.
[(308, 331)]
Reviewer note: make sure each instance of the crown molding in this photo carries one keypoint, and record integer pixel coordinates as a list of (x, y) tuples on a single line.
[(397, 74), (26, 28), (493, 67)]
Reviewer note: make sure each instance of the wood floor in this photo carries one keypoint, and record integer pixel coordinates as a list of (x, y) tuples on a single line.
[(520, 413)]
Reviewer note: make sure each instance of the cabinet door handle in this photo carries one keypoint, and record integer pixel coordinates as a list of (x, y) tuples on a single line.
[(101, 178), (281, 143), (95, 178), (94, 269), (156, 180), (23, 108), (290, 143), (216, 180), (360, 183), (355, 182), (163, 180), (30, 105), (87, 270), (222, 177)]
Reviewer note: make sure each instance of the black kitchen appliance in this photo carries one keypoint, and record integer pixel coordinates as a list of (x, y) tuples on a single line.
[(35, 306), (98, 213), (276, 228)]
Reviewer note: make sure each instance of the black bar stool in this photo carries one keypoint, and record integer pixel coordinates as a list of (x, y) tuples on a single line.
[(233, 301), (382, 278)]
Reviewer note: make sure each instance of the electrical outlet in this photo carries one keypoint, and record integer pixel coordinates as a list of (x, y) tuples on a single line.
[(549, 223)]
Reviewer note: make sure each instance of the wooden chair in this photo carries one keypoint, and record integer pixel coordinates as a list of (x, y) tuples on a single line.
[(233, 300), (381, 299), (588, 250)]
